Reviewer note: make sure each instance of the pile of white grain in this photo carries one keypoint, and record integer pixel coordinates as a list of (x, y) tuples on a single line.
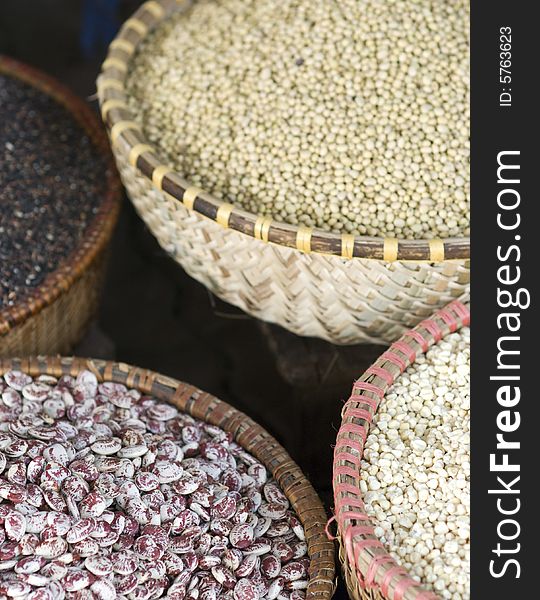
[(416, 468)]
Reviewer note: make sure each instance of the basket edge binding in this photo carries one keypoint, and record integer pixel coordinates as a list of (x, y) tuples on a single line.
[(254, 438), (368, 568), (99, 230), (127, 137)]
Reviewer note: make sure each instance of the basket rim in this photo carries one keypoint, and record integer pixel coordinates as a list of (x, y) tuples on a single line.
[(366, 563), (128, 138), (249, 434), (98, 231)]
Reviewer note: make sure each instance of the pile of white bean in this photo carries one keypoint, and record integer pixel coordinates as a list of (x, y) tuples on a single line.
[(352, 116), (416, 468)]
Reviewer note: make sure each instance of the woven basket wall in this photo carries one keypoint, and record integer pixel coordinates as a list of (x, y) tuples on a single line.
[(245, 431), (370, 572), (342, 288), (54, 316)]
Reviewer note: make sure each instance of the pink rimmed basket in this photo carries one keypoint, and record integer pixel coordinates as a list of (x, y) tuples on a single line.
[(369, 570)]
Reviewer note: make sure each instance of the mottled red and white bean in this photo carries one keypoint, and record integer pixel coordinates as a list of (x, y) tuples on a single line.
[(109, 494)]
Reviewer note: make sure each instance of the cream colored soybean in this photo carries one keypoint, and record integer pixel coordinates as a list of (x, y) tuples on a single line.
[(352, 116)]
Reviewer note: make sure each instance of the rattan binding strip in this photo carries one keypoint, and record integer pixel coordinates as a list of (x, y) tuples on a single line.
[(114, 69), (370, 572), (90, 251), (245, 431)]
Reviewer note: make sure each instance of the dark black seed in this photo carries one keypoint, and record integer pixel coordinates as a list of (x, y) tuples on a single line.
[(51, 184)]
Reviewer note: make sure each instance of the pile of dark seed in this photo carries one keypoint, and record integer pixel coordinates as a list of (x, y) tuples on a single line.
[(51, 183)]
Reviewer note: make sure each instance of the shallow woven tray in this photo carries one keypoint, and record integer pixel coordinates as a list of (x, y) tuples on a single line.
[(370, 572), (340, 287), (246, 432), (53, 316)]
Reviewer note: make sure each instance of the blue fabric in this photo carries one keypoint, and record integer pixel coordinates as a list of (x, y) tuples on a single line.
[(100, 23)]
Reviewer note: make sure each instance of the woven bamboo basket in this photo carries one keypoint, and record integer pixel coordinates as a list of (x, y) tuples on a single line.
[(369, 570), (342, 288), (53, 317), (246, 432)]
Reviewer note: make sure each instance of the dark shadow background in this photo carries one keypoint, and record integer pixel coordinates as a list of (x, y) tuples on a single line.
[(155, 316)]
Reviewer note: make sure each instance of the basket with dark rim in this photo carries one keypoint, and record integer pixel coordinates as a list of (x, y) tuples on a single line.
[(245, 431), (340, 287), (53, 316), (369, 570)]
